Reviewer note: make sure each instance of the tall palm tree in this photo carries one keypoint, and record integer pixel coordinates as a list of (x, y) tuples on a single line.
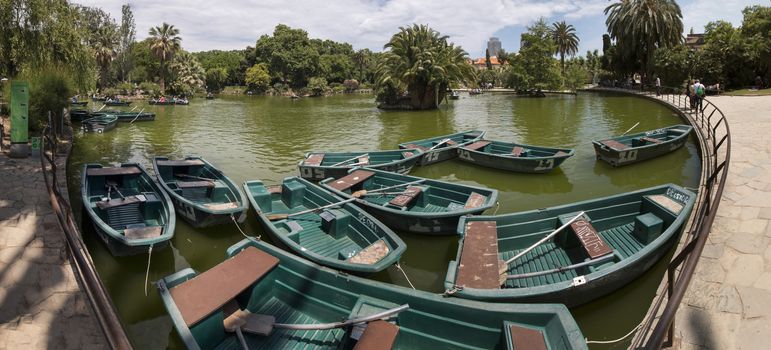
[(564, 35), (105, 50), (165, 42), (422, 62), (641, 26), (361, 59)]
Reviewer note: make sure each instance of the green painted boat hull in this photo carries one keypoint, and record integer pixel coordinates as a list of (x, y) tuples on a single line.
[(194, 205), (119, 103), (614, 217), (673, 138), (100, 124), (308, 236), (157, 210), (443, 152), (298, 291), (430, 213), (536, 159), (394, 161)]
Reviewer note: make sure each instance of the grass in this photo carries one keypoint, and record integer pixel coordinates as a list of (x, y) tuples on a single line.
[(748, 92)]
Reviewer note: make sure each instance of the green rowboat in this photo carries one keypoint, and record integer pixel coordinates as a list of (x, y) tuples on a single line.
[(441, 148), (78, 103), (117, 103), (273, 300), (304, 218), (318, 166), (588, 249), (99, 124), (129, 211), (202, 194), (413, 204), (628, 149), (514, 156)]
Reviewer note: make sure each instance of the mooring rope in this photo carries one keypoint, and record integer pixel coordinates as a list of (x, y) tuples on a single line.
[(615, 340), (399, 267), (252, 238), (147, 274)]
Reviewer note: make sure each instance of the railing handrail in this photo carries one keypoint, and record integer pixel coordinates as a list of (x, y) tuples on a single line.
[(100, 301), (660, 329)]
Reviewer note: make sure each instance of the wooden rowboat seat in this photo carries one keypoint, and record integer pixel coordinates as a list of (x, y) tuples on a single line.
[(371, 254), (406, 197), (478, 265), (517, 151), (477, 145), (351, 180), (526, 338), (184, 162), (118, 202), (221, 206), (475, 200), (594, 245), (208, 292), (195, 184), (560, 154), (379, 335), (314, 159), (112, 171), (143, 232), (614, 144), (412, 145), (651, 140)]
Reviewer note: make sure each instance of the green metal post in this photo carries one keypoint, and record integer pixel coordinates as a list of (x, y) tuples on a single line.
[(19, 119)]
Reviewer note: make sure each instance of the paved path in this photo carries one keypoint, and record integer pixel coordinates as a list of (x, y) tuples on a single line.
[(41, 305), (728, 304)]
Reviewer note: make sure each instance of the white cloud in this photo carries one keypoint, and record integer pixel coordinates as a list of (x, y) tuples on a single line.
[(231, 24)]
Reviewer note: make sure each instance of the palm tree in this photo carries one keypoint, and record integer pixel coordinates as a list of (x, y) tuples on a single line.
[(361, 58), (187, 73), (564, 35), (641, 26), (422, 62), (165, 42), (105, 51)]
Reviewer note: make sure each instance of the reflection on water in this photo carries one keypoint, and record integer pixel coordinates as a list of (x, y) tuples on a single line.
[(264, 138)]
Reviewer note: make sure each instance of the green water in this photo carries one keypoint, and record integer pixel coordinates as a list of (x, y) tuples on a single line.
[(265, 137)]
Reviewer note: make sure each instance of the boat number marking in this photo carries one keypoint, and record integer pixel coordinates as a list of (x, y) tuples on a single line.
[(656, 132), (627, 156), (545, 164), (312, 173), (432, 156), (677, 195), (367, 222), (465, 154)]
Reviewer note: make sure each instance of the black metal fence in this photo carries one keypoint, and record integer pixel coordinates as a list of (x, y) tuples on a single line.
[(715, 138), (101, 304)]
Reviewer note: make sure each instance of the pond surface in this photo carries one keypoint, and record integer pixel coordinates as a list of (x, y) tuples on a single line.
[(265, 137)]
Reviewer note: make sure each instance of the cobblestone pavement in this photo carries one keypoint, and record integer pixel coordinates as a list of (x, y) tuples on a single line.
[(728, 303), (41, 305)]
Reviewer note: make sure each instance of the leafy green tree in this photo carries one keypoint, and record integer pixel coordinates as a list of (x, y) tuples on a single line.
[(564, 36), (258, 77), (535, 68), (641, 26), (233, 61), (165, 42), (423, 62), (146, 64), (335, 68), (489, 76), (576, 75), (756, 28), (362, 59), (317, 85), (216, 78), (187, 74), (289, 54), (673, 65), (127, 36), (105, 50)]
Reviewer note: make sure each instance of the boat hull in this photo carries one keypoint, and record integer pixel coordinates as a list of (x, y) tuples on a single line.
[(631, 155), (439, 226), (440, 154), (534, 165), (321, 172)]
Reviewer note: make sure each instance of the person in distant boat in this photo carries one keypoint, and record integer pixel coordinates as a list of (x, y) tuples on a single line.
[(162, 99), (74, 99)]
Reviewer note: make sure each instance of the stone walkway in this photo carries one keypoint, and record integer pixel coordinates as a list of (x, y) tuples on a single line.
[(41, 305), (728, 303)]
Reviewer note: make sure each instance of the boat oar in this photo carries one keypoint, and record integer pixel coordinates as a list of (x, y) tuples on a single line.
[(630, 129), (505, 266), (560, 269), (195, 177), (360, 193), (274, 217), (440, 143), (138, 114), (348, 160), (114, 185), (135, 107)]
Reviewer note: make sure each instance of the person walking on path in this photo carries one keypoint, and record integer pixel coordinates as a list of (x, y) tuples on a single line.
[(658, 86), (698, 89)]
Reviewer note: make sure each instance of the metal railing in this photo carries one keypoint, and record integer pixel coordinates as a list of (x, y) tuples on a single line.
[(714, 135), (85, 272)]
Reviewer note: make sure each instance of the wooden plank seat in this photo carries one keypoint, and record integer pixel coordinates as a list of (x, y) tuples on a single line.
[(526, 338), (412, 145), (614, 144), (379, 335), (274, 189), (351, 180), (221, 206), (594, 245), (651, 140), (477, 145), (314, 159), (211, 290), (117, 202), (407, 154), (406, 197), (363, 160), (371, 254), (517, 151), (560, 154), (451, 142), (112, 171), (195, 184), (479, 263), (143, 232), (182, 162), (666, 202), (475, 200)]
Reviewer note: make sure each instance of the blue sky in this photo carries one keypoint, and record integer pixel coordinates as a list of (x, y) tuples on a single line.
[(234, 24)]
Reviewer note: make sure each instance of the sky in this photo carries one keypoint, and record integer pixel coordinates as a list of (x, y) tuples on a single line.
[(234, 24)]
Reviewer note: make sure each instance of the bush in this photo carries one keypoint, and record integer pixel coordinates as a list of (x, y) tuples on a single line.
[(339, 89), (150, 88), (318, 85), (351, 84), (126, 88), (49, 90)]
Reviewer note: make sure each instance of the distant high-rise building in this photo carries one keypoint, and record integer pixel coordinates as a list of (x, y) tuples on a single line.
[(494, 46)]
